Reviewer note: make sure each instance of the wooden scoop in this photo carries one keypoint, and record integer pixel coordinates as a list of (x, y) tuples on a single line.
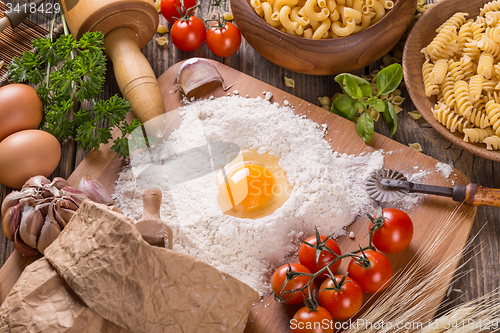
[(152, 228)]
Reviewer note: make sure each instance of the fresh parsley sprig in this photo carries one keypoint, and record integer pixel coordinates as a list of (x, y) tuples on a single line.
[(66, 72), (360, 96)]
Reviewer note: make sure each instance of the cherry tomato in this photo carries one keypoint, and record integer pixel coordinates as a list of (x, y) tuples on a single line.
[(376, 276), (395, 234), (188, 35), (343, 303), (307, 256), (169, 9), (224, 42), (307, 321), (279, 278)]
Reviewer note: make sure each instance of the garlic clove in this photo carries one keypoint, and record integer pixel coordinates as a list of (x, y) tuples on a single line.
[(11, 200), (49, 232), (94, 190), (196, 72), (22, 247), (31, 225), (59, 183), (73, 194), (63, 211), (11, 221), (63, 216)]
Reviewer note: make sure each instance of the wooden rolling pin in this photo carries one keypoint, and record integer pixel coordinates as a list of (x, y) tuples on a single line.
[(152, 228), (128, 25)]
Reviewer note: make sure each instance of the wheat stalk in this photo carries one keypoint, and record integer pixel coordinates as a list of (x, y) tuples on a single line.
[(416, 288)]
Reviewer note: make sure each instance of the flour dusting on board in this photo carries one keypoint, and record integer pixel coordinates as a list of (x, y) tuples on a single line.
[(329, 187)]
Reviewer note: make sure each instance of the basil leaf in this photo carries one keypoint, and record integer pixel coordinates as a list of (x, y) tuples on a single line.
[(389, 78), (346, 106), (365, 86), (365, 127), (390, 117), (351, 87), (377, 104)]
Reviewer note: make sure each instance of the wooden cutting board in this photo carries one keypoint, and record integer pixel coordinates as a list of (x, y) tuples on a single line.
[(267, 315)]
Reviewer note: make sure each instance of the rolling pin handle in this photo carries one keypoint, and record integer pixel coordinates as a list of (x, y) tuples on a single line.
[(136, 79)]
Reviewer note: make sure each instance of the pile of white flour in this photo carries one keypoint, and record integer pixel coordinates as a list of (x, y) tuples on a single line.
[(329, 188)]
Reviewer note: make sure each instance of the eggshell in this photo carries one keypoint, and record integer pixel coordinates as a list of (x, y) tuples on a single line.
[(20, 109), (26, 154)]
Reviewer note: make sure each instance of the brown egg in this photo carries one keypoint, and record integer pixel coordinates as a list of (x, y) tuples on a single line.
[(20, 109), (26, 154)]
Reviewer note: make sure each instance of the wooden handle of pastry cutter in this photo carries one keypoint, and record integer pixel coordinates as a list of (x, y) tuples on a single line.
[(476, 195), (134, 75), (152, 228)]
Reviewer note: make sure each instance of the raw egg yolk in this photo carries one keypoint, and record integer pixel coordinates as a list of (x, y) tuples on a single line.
[(247, 187)]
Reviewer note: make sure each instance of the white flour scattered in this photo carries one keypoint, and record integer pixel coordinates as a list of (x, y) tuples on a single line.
[(445, 169), (329, 190)]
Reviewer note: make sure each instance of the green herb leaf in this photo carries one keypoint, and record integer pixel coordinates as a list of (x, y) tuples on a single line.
[(365, 127), (389, 78), (346, 106), (390, 117), (76, 71), (376, 103), (365, 86), (351, 87)]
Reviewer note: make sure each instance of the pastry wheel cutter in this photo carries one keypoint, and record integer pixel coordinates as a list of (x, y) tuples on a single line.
[(389, 185)]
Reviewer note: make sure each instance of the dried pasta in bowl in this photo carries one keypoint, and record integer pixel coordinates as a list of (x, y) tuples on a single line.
[(462, 69), (320, 19)]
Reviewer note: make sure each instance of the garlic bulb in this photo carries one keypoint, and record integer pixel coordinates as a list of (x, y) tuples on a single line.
[(33, 217)]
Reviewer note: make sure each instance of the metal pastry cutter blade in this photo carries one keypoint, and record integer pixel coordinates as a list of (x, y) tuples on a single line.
[(380, 193)]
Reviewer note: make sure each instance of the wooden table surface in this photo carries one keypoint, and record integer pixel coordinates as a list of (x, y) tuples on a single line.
[(483, 264)]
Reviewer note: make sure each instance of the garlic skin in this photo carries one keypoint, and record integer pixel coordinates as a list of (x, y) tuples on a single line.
[(33, 217), (196, 72), (94, 190)]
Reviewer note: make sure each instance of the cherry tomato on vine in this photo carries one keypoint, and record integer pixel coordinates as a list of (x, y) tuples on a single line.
[(342, 303), (307, 321), (188, 35), (395, 234), (375, 276), (307, 255), (170, 9), (279, 278), (223, 42)]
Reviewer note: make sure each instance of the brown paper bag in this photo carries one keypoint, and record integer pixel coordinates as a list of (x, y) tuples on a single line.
[(142, 288), (42, 302), (110, 280)]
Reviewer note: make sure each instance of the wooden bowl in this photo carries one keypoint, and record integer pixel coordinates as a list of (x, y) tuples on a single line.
[(326, 56), (421, 35)]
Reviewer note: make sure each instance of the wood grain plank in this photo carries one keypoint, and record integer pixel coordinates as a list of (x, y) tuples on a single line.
[(483, 269), (105, 165)]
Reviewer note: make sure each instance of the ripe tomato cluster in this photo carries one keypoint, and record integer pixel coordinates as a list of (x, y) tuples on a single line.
[(340, 297), (189, 32)]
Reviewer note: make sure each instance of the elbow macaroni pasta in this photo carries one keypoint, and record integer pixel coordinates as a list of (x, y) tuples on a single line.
[(462, 69), (319, 19)]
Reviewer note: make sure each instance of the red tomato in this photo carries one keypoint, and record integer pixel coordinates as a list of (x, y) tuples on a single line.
[(376, 276), (307, 321), (224, 42), (343, 303), (279, 278), (307, 256), (395, 234), (169, 9), (188, 35)]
